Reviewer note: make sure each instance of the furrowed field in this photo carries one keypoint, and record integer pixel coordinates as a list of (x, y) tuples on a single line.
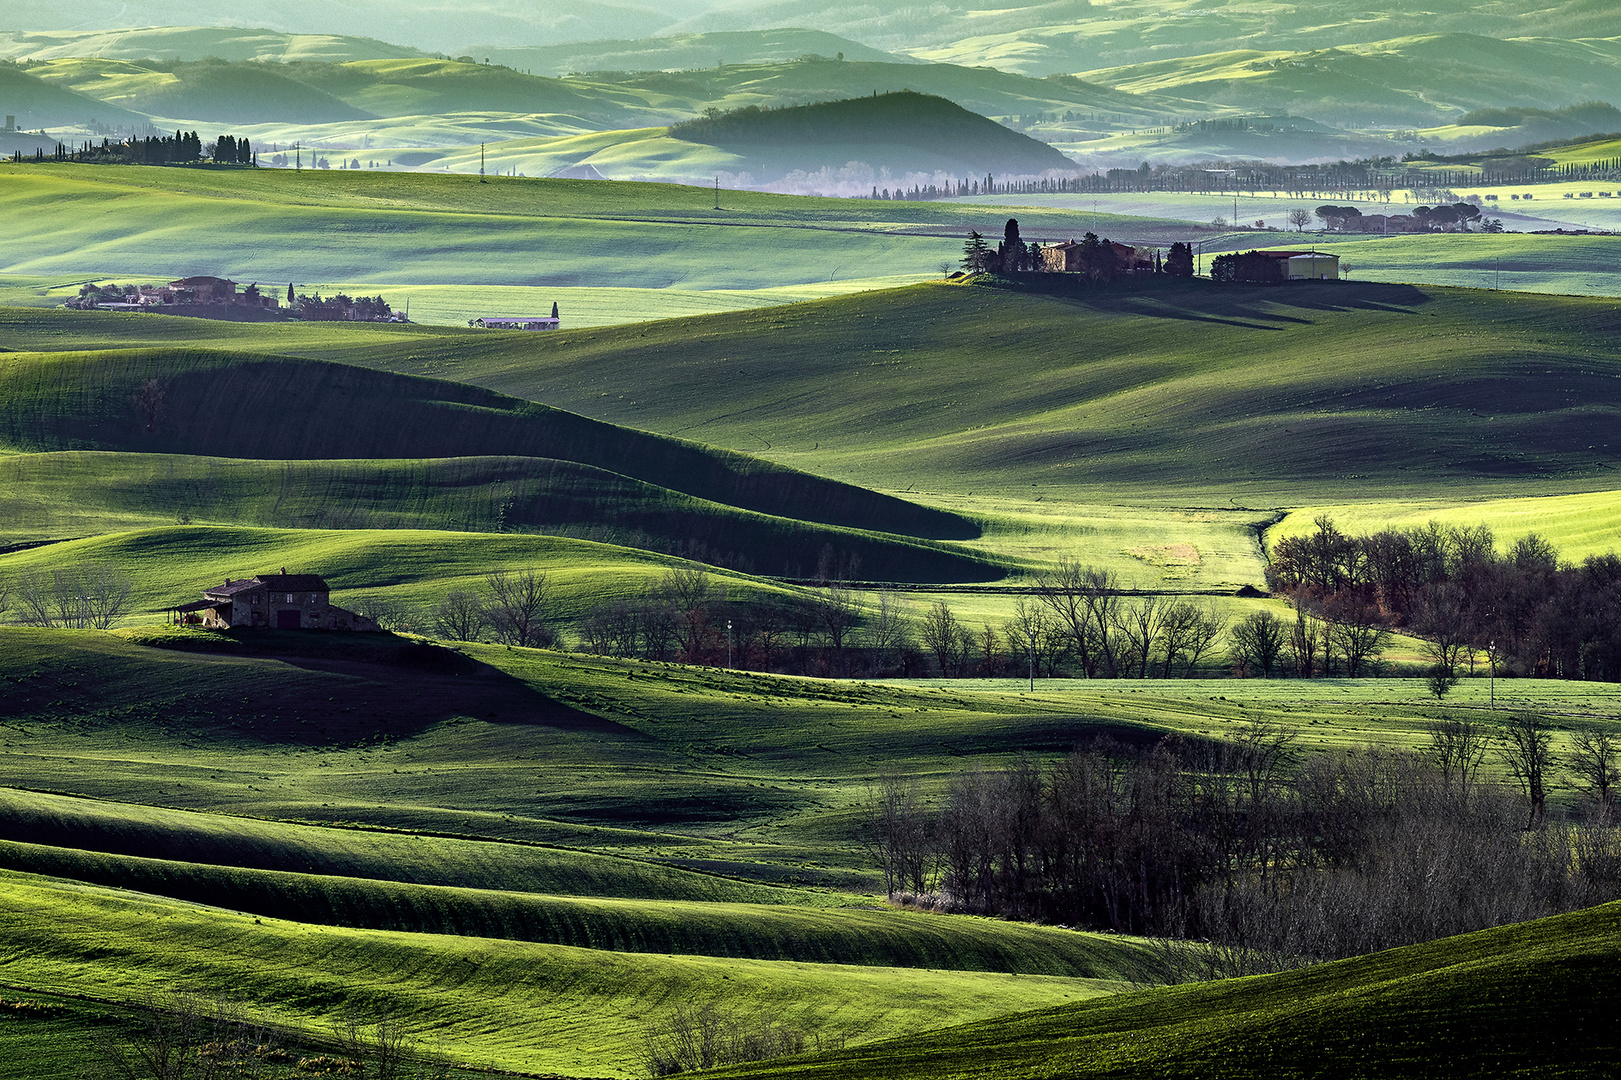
[(533, 858)]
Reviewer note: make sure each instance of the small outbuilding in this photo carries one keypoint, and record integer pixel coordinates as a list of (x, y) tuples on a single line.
[(273, 601)]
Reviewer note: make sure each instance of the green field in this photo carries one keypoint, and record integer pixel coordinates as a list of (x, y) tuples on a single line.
[(1527, 1000), (1578, 525), (528, 856)]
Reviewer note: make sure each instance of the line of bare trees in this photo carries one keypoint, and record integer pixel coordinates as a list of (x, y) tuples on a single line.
[(1076, 620), (86, 596), (514, 607), (1273, 857), (182, 1036), (1520, 612)]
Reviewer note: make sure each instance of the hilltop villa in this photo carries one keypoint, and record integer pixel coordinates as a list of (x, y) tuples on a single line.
[(272, 601)]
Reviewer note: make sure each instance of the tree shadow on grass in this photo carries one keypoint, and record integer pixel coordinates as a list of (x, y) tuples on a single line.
[(347, 688), (1250, 307)]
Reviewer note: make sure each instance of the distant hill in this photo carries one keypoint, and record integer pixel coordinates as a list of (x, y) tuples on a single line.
[(195, 43), (1412, 80), (208, 90), (684, 51), (418, 24), (903, 132), (37, 103)]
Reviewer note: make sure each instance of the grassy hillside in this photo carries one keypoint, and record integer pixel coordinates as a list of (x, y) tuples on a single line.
[(1406, 80), (275, 225), (207, 90), (740, 929), (1526, 1000), (75, 494), (513, 1005), (902, 132), (211, 404), (37, 103), (682, 52), (195, 43), (1248, 393), (1578, 525)]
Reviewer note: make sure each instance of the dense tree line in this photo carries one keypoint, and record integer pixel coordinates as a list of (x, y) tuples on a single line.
[(1272, 858), (1522, 612), (340, 308), (181, 148)]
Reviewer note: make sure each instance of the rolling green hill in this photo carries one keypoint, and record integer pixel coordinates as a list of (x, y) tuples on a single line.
[(1208, 392), (897, 133), (683, 52), (78, 493), (507, 1004), (1526, 1000), (207, 90), (1408, 80), (210, 404), (37, 103), (195, 43)]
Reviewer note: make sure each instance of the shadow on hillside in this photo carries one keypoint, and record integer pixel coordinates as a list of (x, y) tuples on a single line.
[(358, 687), (1252, 307)]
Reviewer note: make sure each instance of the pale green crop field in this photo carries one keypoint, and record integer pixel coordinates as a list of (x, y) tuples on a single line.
[(1578, 525)]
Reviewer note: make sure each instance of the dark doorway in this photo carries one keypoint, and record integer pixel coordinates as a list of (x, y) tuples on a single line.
[(288, 620)]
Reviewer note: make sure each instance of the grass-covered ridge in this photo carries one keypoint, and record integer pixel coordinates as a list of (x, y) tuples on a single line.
[(73, 494), (1266, 395), (1526, 1000), (215, 404), (517, 1005)]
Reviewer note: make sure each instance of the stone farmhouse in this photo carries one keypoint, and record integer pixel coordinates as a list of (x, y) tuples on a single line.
[(1066, 258), (272, 601)]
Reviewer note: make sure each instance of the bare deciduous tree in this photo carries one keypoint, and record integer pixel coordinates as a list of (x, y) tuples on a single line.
[(460, 616), (1191, 629), (1458, 746), (1258, 642), (148, 399), (942, 634), (1594, 758), (1527, 753), (518, 607), (1027, 633), (89, 596), (888, 629), (1085, 602), (898, 834)]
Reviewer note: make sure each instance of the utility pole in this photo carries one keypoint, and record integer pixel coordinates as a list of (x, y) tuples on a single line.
[(481, 164), (728, 643), (298, 156), (717, 193)]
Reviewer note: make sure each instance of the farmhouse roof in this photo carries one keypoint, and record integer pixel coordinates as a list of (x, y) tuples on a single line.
[(193, 282), (1297, 254), (273, 582)]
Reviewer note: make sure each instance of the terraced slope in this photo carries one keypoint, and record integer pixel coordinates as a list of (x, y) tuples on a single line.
[(1526, 1000)]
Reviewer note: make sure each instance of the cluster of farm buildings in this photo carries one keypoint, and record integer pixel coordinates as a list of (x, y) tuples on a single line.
[(186, 292)]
